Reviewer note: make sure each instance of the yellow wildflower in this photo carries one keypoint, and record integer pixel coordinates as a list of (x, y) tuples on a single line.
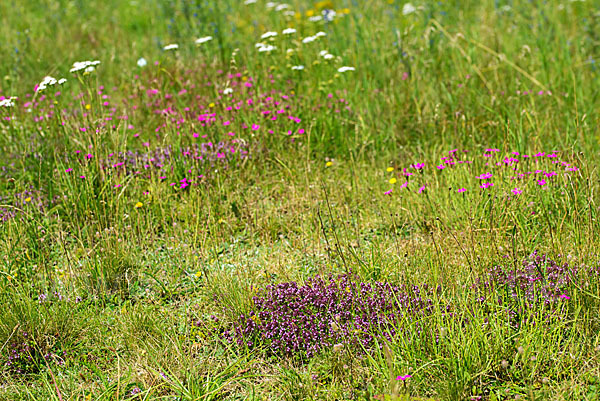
[(324, 4)]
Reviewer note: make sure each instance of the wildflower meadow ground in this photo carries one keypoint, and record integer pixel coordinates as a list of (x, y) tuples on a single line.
[(320, 200)]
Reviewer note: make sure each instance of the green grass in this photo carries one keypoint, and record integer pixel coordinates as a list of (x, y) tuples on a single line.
[(134, 271)]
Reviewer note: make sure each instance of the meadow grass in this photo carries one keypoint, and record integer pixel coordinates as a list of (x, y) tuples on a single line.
[(227, 220)]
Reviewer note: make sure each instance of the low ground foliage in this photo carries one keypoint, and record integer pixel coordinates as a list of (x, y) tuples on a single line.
[(305, 200)]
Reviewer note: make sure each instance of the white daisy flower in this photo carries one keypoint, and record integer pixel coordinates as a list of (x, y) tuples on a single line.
[(227, 91), (344, 69), (288, 31), (319, 34), (62, 81), (408, 9), (322, 53), (89, 69), (328, 56), (142, 62), (172, 46), (268, 35), (205, 39), (309, 39), (298, 67)]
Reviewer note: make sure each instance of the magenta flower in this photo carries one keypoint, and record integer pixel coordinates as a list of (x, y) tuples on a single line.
[(516, 191), (486, 185), (462, 190), (418, 166), (564, 296), (388, 192), (403, 378), (485, 176), (541, 182)]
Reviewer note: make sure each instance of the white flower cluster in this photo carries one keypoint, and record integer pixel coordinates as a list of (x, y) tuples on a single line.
[(298, 67), (8, 102), (325, 54), (317, 35), (267, 35), (408, 9), (87, 66), (263, 48), (49, 81), (288, 31), (345, 69), (205, 39), (281, 7), (327, 15), (172, 46), (142, 62)]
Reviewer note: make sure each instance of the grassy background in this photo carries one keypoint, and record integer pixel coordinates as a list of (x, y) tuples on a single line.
[(450, 75)]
